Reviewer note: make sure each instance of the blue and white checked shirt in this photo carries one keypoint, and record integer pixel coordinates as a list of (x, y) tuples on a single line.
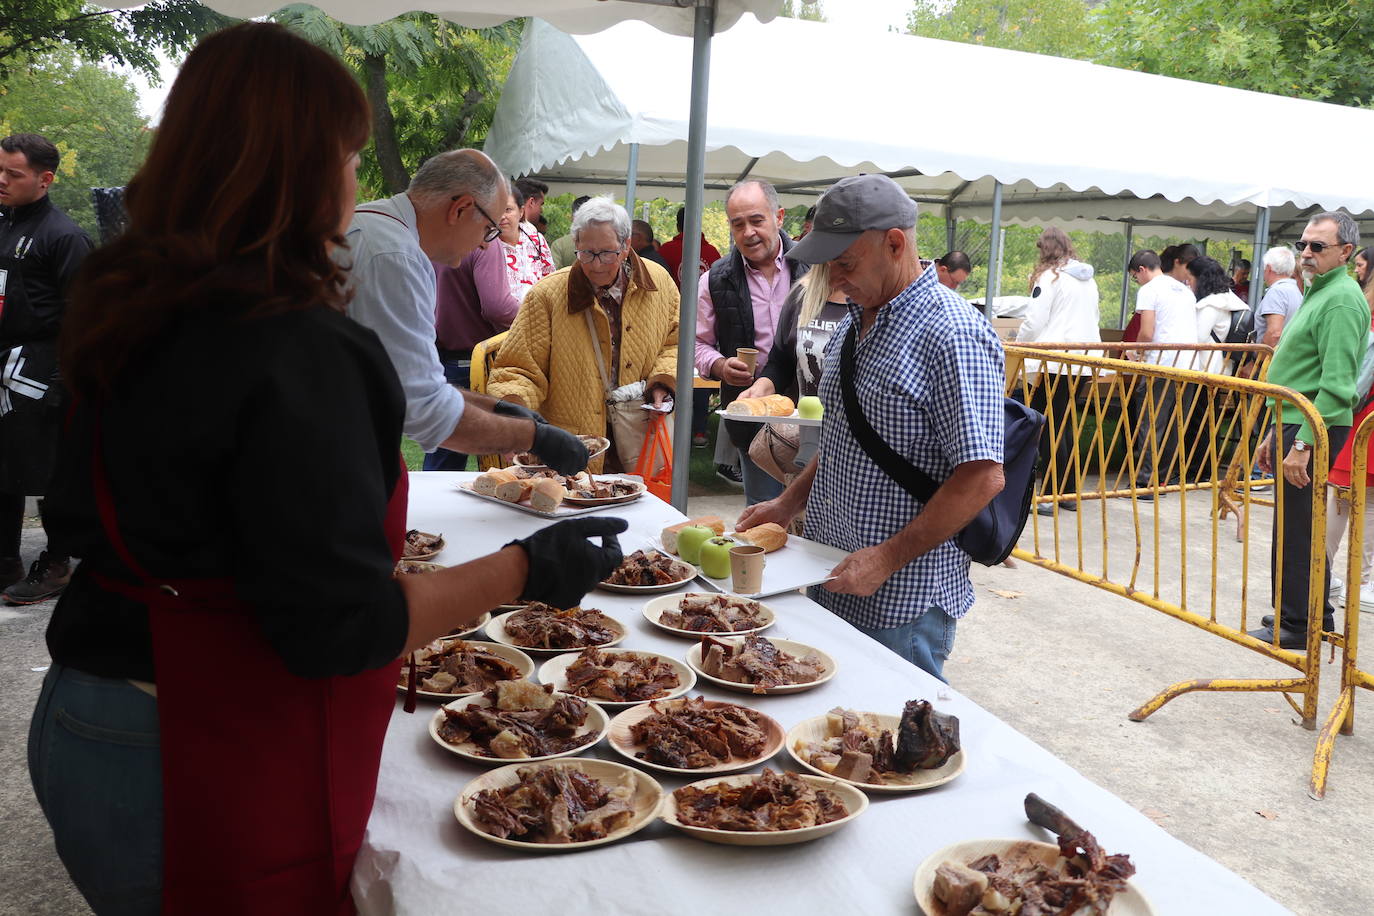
[(929, 375)]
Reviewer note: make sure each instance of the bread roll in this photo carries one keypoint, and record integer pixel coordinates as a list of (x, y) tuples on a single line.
[(769, 536), (487, 483), (514, 491), (773, 405), (669, 534), (547, 494)]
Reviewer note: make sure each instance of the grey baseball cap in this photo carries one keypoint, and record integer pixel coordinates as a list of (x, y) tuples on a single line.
[(851, 206)]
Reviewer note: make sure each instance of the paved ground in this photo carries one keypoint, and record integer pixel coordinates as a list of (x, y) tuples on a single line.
[(1061, 661)]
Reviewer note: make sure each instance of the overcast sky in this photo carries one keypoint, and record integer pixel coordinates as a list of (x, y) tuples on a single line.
[(876, 14)]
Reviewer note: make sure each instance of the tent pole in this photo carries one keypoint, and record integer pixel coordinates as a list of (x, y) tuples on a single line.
[(631, 174), (691, 248), (1126, 277), (994, 251), (949, 229), (1257, 259)]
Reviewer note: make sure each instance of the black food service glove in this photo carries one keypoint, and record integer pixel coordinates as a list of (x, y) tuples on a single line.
[(511, 409), (564, 565), (560, 449)]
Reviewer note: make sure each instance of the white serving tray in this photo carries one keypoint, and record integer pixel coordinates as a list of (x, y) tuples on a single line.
[(749, 418), (564, 510), (801, 563)]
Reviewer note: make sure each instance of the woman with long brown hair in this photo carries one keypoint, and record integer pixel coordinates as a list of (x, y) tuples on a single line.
[(224, 661)]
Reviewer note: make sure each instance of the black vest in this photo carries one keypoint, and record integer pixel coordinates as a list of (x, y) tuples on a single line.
[(734, 308)]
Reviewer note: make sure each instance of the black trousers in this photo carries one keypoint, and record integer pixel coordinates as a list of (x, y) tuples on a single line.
[(1298, 538), (1062, 477)]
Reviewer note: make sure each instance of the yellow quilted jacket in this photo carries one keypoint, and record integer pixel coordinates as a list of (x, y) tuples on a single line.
[(547, 363)]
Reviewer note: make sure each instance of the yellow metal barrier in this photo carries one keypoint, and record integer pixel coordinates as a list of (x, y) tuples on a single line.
[(1342, 715), (1118, 433)]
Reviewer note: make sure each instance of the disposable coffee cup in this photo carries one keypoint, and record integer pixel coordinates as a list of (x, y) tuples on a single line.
[(746, 569), (749, 356)]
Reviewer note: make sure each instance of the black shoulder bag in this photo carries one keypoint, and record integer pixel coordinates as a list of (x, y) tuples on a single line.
[(994, 531)]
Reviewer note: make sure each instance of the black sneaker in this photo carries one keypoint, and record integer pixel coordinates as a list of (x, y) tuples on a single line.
[(46, 579), (729, 472), (11, 571)]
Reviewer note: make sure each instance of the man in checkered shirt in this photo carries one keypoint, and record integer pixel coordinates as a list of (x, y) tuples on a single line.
[(929, 377)]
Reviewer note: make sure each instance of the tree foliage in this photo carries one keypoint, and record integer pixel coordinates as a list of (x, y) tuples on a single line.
[(1057, 27), (1320, 50), (433, 85), (812, 10), (90, 113), (31, 28)]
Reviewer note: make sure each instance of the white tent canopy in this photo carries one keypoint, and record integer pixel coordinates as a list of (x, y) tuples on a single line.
[(576, 16), (1052, 131)]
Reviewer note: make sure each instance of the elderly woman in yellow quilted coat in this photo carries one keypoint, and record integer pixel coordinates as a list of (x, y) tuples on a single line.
[(609, 301)]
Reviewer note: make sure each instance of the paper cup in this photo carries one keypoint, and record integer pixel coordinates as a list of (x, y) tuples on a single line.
[(746, 569), (749, 356)]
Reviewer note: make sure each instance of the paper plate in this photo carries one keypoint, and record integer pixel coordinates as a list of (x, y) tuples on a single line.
[(496, 629), (791, 648), (640, 490), (428, 554), (594, 729), (647, 799), (654, 609), (596, 447), (623, 743), (853, 799), (555, 672), (519, 659), (815, 729), (1129, 903), (686, 573)]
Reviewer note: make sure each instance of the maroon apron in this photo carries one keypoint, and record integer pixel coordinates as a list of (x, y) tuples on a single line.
[(267, 778)]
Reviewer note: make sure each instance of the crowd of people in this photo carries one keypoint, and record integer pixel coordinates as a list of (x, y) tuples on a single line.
[(265, 315)]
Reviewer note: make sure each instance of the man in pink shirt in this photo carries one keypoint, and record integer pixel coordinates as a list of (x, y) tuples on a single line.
[(740, 298)]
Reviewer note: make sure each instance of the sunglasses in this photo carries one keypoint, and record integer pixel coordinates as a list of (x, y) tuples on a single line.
[(1317, 247), (492, 230)]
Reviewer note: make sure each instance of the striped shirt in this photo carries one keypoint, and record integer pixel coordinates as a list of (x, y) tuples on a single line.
[(929, 376)]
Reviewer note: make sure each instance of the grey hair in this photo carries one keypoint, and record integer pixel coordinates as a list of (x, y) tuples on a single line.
[(456, 172), (1281, 260), (770, 193), (1347, 230), (604, 210)]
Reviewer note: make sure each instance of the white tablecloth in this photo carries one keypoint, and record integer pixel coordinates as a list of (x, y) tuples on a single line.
[(416, 859)]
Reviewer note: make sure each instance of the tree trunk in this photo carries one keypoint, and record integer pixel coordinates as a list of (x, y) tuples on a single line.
[(394, 175)]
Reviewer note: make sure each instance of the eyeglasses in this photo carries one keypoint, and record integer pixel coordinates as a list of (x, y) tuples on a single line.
[(601, 257), (492, 230), (1317, 247)]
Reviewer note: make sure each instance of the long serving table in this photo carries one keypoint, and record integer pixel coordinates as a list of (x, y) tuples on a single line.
[(417, 859)]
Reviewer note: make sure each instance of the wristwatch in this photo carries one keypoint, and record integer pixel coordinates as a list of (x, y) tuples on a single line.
[(1300, 446)]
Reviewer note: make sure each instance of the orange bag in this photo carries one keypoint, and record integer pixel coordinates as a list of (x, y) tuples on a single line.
[(659, 479)]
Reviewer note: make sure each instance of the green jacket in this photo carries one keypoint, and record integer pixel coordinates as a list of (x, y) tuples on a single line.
[(1321, 349)]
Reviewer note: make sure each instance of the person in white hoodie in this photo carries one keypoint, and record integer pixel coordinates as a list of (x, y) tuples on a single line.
[(1063, 309), (1216, 306)]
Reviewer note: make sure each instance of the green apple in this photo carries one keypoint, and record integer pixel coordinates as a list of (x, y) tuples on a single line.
[(810, 408), (715, 557), (689, 541)]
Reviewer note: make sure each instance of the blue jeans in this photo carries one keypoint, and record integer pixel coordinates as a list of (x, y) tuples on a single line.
[(759, 486), (96, 768), (925, 642), (441, 459)]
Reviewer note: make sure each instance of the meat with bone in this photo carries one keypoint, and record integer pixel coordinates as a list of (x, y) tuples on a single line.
[(769, 801), (554, 805), (457, 667), (540, 626), (643, 568), (860, 749), (757, 661), (714, 614), (620, 677), (689, 734), (523, 720)]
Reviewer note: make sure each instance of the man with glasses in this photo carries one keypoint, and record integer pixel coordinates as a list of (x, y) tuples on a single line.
[(953, 268), (1319, 356), (393, 245)]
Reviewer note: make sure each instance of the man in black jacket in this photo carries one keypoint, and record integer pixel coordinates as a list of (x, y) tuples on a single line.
[(41, 250), (740, 299)]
